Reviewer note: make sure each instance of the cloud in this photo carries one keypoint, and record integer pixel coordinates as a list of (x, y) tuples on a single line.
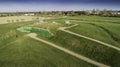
[(13, 7)]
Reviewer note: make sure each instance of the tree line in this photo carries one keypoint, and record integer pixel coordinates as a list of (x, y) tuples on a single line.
[(94, 12), (105, 13)]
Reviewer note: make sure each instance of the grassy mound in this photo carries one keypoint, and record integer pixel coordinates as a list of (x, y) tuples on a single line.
[(39, 31), (22, 51), (87, 48), (25, 29), (98, 31), (27, 52)]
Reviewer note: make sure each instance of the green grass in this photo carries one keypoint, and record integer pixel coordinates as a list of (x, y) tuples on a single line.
[(42, 32), (105, 29), (27, 52), (39, 31), (87, 48), (18, 50), (9, 33), (99, 32), (94, 19)]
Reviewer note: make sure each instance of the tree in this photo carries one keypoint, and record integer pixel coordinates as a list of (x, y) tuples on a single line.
[(88, 12), (71, 13)]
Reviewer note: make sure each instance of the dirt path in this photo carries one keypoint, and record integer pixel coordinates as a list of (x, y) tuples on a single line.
[(103, 43), (33, 35)]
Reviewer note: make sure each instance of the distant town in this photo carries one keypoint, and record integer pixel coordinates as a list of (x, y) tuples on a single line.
[(94, 12)]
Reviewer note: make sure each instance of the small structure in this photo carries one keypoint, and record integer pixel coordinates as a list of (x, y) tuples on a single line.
[(31, 14), (54, 22), (116, 12), (40, 22), (67, 22)]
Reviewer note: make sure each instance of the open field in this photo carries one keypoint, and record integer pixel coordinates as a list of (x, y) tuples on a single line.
[(106, 29), (34, 36), (4, 20), (27, 52), (94, 30), (107, 32), (19, 50), (13, 19)]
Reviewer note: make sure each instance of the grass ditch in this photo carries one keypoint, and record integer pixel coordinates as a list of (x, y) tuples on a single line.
[(114, 36), (98, 33)]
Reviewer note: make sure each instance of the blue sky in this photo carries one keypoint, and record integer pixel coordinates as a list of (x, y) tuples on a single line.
[(47, 5)]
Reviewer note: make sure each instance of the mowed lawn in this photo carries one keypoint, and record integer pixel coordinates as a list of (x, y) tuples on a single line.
[(18, 50)]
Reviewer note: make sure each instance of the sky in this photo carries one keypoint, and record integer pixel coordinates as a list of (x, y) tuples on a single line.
[(57, 5)]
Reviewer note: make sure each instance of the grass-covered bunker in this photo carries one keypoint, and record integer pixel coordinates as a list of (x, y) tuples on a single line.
[(39, 31)]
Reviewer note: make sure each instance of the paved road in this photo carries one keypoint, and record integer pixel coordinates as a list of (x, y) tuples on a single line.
[(33, 35), (103, 43)]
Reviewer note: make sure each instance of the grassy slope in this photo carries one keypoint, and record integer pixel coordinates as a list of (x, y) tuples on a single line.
[(114, 28), (95, 27), (95, 19), (87, 48), (108, 32), (27, 52), (102, 28), (101, 33), (17, 50), (8, 32)]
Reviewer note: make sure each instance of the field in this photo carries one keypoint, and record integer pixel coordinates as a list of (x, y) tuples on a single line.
[(13, 19), (19, 50), (104, 30)]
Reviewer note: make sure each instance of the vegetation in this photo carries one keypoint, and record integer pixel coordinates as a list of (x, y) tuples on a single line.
[(11, 19), (88, 48), (39, 31), (18, 50), (105, 29), (94, 12)]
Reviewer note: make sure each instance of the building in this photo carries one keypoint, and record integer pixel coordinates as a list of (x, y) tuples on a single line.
[(31, 14), (116, 12)]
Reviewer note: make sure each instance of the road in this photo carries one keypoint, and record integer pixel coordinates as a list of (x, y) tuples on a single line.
[(100, 42), (33, 35)]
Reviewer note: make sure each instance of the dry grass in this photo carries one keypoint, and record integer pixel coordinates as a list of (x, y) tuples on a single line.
[(4, 20)]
